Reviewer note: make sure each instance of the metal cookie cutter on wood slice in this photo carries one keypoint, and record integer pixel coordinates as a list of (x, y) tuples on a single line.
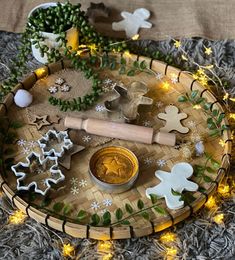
[(55, 143), (128, 100), (38, 173)]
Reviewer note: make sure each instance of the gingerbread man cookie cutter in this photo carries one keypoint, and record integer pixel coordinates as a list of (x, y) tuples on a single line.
[(175, 180), (128, 100), (173, 118)]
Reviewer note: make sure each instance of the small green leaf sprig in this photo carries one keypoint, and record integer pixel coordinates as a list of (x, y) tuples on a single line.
[(8, 137), (209, 167), (215, 117), (122, 216)]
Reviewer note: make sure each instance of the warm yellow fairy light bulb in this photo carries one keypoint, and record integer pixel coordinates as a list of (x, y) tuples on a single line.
[(68, 250), (225, 97), (171, 251), (208, 51), (177, 44), (184, 57), (219, 218), (104, 246), (210, 66), (210, 203), (41, 72), (127, 54), (167, 237), (17, 217), (232, 99), (222, 143), (109, 256), (232, 116), (197, 107), (135, 37), (165, 85), (223, 189)]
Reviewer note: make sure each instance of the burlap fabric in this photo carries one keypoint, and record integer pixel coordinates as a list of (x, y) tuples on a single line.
[(213, 19)]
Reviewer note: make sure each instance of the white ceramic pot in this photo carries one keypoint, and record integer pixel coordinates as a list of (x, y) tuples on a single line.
[(49, 37)]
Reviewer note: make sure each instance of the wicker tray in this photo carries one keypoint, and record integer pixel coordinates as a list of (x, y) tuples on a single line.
[(79, 168)]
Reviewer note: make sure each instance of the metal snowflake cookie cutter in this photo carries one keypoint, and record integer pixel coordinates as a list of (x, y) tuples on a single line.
[(55, 143), (128, 100), (38, 173)]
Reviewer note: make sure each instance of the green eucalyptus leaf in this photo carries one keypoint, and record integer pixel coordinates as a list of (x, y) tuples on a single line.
[(106, 221), (145, 215), (210, 170), (128, 208), (131, 73), (182, 99), (207, 106), (57, 207), (81, 215), (215, 133), (143, 65), (122, 70), (220, 118), (160, 210), (194, 94), (107, 215), (154, 198), (125, 222), (123, 61), (119, 214), (140, 204), (67, 209), (46, 202), (200, 100), (136, 64), (175, 193), (207, 178), (215, 164), (95, 218), (215, 112)]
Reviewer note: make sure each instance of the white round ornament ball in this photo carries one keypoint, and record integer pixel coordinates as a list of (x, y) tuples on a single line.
[(23, 98)]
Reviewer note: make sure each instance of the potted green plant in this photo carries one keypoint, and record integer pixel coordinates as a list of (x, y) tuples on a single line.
[(46, 36)]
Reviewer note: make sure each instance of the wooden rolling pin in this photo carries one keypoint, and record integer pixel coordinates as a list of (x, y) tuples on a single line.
[(120, 130)]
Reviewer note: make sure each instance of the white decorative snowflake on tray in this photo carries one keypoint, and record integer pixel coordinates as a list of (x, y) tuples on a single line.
[(65, 88), (148, 161), (53, 89), (74, 181), (159, 76), (161, 162), (59, 81), (191, 124), (26, 150), (147, 123), (107, 202), (74, 190), (107, 81), (106, 89), (86, 138), (32, 144), (159, 104), (174, 78), (82, 183), (95, 205), (21, 142), (99, 108)]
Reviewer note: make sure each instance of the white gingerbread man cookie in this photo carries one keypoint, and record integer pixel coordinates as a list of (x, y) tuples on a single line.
[(176, 180), (173, 118), (133, 22)]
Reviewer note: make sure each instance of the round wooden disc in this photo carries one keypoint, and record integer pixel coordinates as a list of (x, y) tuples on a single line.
[(87, 195)]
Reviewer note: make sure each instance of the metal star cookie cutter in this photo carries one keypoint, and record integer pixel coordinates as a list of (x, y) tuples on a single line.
[(55, 143), (128, 100), (48, 168)]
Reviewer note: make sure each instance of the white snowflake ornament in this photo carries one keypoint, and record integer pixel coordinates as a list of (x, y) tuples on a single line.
[(74, 190), (83, 183), (148, 161), (95, 205), (161, 162), (65, 88), (74, 181), (21, 142), (86, 138), (53, 89), (59, 81), (107, 202), (99, 108), (133, 22), (175, 180)]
